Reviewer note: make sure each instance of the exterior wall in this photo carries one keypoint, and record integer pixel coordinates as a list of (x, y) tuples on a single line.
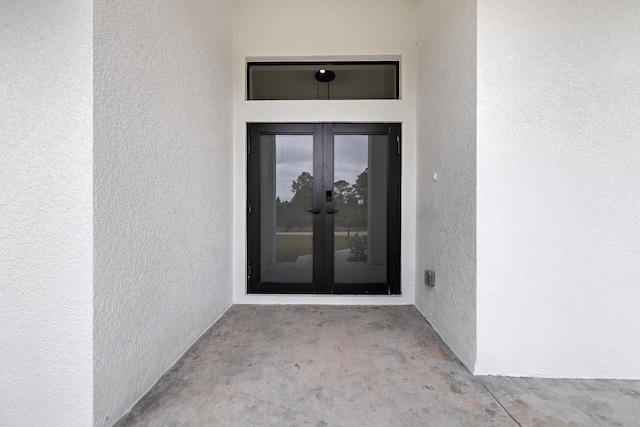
[(163, 170), (46, 213), (446, 208), (558, 184), (332, 29)]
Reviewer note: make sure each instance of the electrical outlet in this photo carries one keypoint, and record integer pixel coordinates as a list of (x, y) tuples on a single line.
[(429, 278)]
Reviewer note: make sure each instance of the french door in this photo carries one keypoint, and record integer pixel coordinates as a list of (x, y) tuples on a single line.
[(323, 208)]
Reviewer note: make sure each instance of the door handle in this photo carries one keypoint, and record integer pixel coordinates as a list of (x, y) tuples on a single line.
[(315, 211), (331, 211)]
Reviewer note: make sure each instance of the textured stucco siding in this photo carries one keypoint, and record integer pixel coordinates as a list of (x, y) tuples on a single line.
[(163, 170), (558, 186), (45, 213), (446, 202)]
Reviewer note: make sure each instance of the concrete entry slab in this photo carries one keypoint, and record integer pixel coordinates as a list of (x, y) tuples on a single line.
[(350, 366), (550, 402)]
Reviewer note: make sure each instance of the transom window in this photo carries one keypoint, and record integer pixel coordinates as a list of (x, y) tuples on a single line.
[(322, 80)]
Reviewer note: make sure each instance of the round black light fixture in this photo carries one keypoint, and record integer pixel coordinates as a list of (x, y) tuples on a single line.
[(325, 76)]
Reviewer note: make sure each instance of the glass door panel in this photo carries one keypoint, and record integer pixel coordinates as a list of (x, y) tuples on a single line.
[(360, 223), (286, 199)]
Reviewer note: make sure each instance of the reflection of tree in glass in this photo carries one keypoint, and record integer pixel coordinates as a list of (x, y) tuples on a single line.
[(345, 201), (357, 248), (293, 215), (302, 189), (350, 200), (360, 188)]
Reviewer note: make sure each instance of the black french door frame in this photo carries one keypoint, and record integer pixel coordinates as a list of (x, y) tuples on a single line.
[(323, 212)]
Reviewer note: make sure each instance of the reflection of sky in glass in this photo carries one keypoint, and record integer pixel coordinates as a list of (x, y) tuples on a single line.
[(350, 157), (294, 155)]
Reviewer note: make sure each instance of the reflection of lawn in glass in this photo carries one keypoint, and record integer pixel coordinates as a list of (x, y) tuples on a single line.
[(290, 246)]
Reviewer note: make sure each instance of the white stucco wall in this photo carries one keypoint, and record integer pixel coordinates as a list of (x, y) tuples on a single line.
[(446, 208), (45, 213), (558, 186), (163, 170), (332, 29)]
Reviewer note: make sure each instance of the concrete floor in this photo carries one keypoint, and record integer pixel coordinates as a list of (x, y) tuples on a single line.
[(358, 366)]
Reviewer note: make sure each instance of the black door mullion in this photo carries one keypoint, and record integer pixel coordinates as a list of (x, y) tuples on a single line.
[(318, 204), (329, 216)]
